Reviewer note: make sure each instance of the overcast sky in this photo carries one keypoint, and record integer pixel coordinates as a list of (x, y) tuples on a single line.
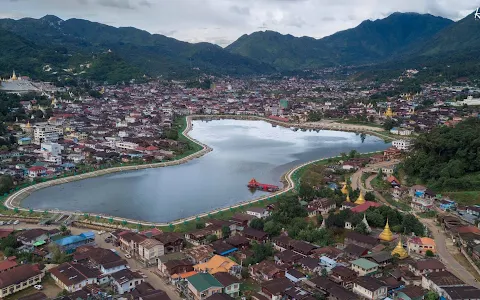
[(223, 21)]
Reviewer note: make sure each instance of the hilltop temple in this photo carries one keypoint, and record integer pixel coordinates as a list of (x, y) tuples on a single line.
[(17, 85)]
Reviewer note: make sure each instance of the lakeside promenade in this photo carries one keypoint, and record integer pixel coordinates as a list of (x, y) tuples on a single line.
[(14, 201)]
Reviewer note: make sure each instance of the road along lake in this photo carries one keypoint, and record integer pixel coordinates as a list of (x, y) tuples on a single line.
[(241, 150)]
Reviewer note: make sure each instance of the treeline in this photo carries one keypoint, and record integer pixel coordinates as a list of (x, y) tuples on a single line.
[(447, 158)]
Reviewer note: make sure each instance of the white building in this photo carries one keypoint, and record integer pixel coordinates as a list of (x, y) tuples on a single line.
[(125, 281), (258, 212), (149, 250), (126, 145), (369, 288), (401, 131), (46, 133), (52, 148), (403, 145)]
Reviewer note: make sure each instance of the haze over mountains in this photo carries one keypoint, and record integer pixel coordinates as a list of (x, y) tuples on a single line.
[(120, 53)]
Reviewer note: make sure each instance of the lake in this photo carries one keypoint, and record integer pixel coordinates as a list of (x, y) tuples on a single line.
[(241, 150)]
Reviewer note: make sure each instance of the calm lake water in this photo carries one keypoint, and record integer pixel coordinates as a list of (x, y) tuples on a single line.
[(241, 150)]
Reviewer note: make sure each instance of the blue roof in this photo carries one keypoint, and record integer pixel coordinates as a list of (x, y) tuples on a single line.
[(68, 165), (75, 238), (26, 139), (327, 260)]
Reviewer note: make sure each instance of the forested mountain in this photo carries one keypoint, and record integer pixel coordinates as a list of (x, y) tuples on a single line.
[(447, 158), (154, 54), (102, 52), (371, 41)]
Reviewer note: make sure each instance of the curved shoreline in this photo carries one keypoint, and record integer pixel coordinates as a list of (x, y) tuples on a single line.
[(13, 201)]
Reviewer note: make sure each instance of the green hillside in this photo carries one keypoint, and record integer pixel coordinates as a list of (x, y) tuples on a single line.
[(371, 41)]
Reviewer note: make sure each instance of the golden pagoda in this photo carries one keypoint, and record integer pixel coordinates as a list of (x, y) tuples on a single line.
[(399, 250), (28, 125), (386, 234), (360, 199), (14, 76), (389, 112), (348, 198), (345, 189)]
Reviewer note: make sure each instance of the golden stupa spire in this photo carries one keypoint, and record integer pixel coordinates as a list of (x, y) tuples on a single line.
[(345, 189), (28, 124), (399, 250), (14, 76), (348, 198), (386, 234), (389, 112), (360, 199)]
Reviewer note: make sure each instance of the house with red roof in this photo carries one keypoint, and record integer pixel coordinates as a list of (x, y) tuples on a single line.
[(8, 264), (37, 171)]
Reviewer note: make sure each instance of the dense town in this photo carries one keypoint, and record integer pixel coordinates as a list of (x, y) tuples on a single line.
[(361, 231)]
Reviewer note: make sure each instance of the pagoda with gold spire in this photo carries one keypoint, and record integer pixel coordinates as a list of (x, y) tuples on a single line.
[(389, 112), (345, 189), (399, 250), (14, 76), (348, 198), (360, 199), (386, 234)]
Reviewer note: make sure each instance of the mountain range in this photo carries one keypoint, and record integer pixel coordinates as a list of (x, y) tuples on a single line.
[(107, 53)]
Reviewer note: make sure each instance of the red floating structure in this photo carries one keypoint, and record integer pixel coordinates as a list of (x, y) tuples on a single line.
[(254, 184)]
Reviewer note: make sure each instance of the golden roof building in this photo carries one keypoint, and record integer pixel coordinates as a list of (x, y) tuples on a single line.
[(360, 199), (389, 112), (399, 250), (345, 189), (386, 234)]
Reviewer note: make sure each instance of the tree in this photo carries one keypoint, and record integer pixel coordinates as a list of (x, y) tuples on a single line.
[(429, 253), (199, 225), (431, 295), (211, 238), (257, 223), (369, 196), (9, 242), (9, 251), (226, 231), (63, 228), (319, 219), (324, 272), (272, 228), (361, 228)]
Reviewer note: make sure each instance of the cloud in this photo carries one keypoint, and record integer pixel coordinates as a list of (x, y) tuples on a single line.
[(122, 4), (240, 10)]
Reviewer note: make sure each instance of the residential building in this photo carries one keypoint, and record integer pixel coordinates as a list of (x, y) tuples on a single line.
[(274, 289), (202, 285), (420, 245), (104, 260), (425, 266), (149, 250), (343, 276), (369, 288), (46, 133), (73, 276), (19, 278), (437, 281), (31, 236), (364, 267), (219, 264), (8, 264), (258, 212), (231, 284), (125, 281), (403, 144), (70, 243)]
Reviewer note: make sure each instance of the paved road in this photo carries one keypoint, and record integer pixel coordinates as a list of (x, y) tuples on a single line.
[(452, 264), (357, 176)]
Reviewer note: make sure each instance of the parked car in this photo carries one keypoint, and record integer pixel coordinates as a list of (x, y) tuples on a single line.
[(9, 222), (128, 255), (1, 223), (16, 222), (38, 287)]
